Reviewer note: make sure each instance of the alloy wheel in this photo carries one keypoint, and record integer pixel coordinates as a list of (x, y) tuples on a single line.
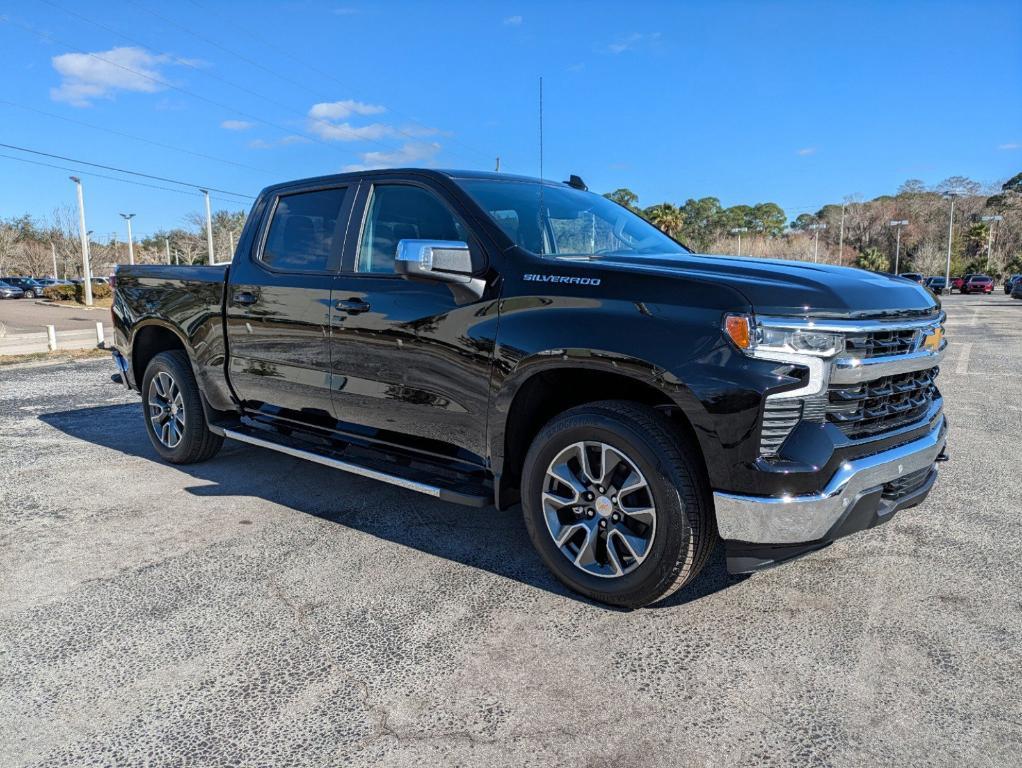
[(599, 509), (166, 409)]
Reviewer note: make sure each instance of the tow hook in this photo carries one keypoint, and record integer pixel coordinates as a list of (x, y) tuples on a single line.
[(944, 455)]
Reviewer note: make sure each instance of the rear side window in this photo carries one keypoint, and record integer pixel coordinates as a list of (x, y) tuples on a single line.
[(302, 231)]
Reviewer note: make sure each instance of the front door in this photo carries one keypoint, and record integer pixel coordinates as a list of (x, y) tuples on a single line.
[(411, 359), (278, 306)]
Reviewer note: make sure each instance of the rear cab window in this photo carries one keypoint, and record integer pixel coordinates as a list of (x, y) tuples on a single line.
[(305, 230)]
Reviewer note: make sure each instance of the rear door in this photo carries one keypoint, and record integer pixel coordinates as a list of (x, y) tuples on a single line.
[(278, 304), (411, 359)]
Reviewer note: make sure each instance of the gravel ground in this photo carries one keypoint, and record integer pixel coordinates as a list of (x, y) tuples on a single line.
[(257, 610)]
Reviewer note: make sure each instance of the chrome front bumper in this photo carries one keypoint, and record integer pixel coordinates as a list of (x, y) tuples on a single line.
[(797, 519)]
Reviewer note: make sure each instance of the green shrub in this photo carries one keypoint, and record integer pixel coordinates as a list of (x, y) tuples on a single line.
[(76, 292), (60, 292)]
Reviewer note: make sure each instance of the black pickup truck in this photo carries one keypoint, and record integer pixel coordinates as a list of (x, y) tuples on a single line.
[(491, 339)]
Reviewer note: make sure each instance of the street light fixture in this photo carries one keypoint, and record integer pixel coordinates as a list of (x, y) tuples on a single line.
[(816, 240), (86, 267), (131, 245), (898, 224), (738, 231), (950, 230)]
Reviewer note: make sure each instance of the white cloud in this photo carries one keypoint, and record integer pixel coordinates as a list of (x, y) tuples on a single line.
[(512, 21), (85, 77), (338, 110), (236, 125), (411, 153), (1010, 145), (806, 151), (348, 132), (632, 41)]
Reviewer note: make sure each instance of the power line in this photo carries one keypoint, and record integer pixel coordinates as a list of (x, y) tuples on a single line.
[(129, 172), (136, 138), (192, 65), (104, 176), (166, 84), (291, 56)]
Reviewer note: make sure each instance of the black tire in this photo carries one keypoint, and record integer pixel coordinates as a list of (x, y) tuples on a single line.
[(196, 442), (30, 294), (685, 532)]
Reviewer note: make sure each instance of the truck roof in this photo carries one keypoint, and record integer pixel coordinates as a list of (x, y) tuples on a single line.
[(434, 172)]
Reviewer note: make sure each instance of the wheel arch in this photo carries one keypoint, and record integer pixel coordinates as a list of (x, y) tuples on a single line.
[(149, 340), (545, 385)]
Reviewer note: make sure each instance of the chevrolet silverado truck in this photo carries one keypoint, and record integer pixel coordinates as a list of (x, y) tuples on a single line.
[(491, 340)]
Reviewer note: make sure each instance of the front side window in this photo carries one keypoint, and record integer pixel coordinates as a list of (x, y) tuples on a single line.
[(553, 220), (302, 231), (403, 213)]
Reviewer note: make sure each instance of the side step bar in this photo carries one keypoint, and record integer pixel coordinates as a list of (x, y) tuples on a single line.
[(437, 491)]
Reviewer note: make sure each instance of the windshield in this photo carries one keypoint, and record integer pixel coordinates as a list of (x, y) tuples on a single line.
[(569, 222)]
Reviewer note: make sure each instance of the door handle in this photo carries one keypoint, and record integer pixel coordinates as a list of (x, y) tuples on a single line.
[(244, 298), (352, 306)]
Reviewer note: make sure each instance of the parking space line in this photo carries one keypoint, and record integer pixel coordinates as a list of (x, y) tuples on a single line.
[(962, 366)]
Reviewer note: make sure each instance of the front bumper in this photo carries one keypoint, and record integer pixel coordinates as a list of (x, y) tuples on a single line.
[(855, 490)]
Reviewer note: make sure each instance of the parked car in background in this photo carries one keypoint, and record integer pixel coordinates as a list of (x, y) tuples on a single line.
[(978, 284), (30, 288), (8, 291), (958, 282), (46, 282), (915, 277), (1009, 283), (1016, 289), (936, 284)]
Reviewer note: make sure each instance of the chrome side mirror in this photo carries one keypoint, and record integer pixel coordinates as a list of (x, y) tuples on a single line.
[(442, 261)]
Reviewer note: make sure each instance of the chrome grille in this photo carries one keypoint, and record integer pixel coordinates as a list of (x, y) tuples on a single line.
[(882, 343), (871, 407), (780, 416)]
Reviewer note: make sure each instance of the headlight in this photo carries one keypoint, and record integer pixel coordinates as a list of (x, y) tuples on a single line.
[(753, 338)]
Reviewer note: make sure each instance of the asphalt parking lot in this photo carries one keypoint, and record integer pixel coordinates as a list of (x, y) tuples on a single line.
[(258, 610), (29, 316)]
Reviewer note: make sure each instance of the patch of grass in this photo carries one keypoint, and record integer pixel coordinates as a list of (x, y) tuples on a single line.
[(60, 356)]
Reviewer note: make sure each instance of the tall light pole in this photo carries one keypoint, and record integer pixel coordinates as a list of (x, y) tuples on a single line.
[(231, 252), (898, 224), (131, 243), (53, 252), (738, 231), (209, 227), (86, 267), (841, 236), (816, 240), (990, 234), (166, 244), (950, 231)]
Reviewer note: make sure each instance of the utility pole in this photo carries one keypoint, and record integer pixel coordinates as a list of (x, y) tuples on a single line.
[(950, 231), (231, 254), (53, 251), (209, 227), (816, 240), (990, 235), (131, 245), (841, 236), (166, 244), (898, 224), (738, 231), (497, 169), (86, 268)]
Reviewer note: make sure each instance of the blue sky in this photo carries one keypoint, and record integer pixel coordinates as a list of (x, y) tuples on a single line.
[(796, 103)]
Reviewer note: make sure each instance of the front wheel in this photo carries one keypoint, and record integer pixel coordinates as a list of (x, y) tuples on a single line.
[(175, 420), (617, 503)]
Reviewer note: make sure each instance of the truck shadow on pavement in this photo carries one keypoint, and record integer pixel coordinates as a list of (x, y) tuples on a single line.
[(484, 538)]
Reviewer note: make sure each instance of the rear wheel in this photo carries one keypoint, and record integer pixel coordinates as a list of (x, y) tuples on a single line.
[(616, 503), (175, 420)]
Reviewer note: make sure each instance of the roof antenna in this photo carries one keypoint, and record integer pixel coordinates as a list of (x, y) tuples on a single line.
[(542, 209)]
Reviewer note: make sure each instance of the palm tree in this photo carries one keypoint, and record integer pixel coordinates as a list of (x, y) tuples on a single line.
[(873, 259), (666, 217)]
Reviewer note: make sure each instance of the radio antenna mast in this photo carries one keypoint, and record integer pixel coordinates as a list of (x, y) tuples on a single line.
[(542, 209)]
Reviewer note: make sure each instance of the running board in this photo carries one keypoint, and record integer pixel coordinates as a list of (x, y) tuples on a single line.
[(457, 495)]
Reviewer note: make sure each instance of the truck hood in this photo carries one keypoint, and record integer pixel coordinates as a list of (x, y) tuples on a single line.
[(782, 287)]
